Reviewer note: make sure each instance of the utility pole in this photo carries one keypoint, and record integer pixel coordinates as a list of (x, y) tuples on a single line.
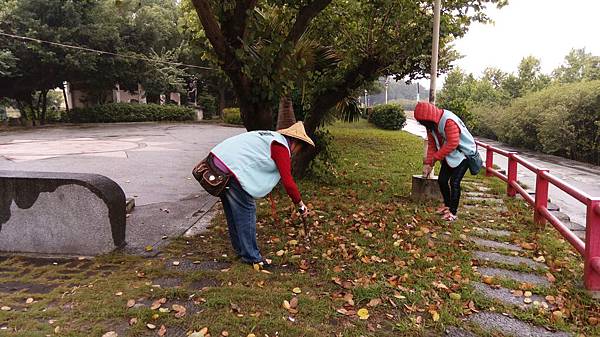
[(434, 50), (387, 84)]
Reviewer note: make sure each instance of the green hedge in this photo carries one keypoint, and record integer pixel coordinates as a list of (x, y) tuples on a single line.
[(128, 112), (232, 116), (388, 116), (562, 120)]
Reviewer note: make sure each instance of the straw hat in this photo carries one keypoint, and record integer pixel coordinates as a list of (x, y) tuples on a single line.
[(297, 131)]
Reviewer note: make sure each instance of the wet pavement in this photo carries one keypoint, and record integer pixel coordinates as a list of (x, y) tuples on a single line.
[(583, 176), (152, 162)]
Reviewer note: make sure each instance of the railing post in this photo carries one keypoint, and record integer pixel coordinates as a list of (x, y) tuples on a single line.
[(511, 174), (592, 246), (489, 161), (541, 196)]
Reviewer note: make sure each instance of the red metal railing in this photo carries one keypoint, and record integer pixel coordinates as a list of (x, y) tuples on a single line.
[(590, 250)]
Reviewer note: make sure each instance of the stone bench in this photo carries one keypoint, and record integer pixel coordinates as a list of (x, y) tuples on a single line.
[(60, 213)]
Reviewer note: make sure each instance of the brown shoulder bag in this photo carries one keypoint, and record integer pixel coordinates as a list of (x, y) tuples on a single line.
[(210, 177)]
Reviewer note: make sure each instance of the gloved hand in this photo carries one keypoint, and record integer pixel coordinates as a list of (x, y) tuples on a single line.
[(427, 169), (302, 209)]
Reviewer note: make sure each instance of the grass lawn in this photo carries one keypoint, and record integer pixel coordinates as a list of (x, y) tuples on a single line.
[(377, 264)]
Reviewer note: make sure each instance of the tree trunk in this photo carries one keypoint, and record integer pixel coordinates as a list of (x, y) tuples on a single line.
[(257, 116), (64, 91), (44, 106), (221, 100)]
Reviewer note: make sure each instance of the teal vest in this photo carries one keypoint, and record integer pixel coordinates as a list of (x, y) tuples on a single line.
[(466, 143), (248, 157)]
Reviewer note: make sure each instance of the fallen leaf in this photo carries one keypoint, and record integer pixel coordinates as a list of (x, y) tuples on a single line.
[(297, 290), (151, 326), (6, 308), (251, 335), (148, 248), (120, 293), (280, 252), (162, 331), (488, 279), (180, 310), (110, 334), (133, 321), (29, 300), (435, 315), (130, 303), (363, 313), (294, 303), (374, 302), (528, 294), (234, 307), (57, 330), (550, 278), (156, 304), (224, 333), (527, 300), (455, 296), (176, 263), (286, 305)]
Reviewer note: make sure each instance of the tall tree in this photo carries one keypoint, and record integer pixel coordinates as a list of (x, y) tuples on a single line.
[(250, 41), (579, 65)]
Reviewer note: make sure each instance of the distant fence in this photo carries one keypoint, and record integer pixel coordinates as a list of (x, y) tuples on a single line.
[(590, 249)]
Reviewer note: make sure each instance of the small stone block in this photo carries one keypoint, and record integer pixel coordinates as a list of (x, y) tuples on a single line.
[(129, 204), (515, 276), (505, 296), (495, 322), (561, 216), (495, 245), (508, 260), (493, 232), (456, 332), (425, 188)]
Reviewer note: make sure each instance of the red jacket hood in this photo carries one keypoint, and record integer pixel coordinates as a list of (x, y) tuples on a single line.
[(428, 112)]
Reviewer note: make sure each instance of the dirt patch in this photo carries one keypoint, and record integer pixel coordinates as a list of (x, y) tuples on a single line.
[(168, 282), (187, 265), (41, 261), (10, 287), (204, 283)]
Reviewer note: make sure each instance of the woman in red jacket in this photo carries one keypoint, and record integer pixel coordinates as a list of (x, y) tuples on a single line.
[(448, 142)]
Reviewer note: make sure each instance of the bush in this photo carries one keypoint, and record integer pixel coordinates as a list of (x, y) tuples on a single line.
[(562, 120), (388, 116), (128, 112), (232, 116)]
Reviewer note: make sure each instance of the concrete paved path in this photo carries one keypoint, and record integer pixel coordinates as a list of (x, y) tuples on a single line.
[(152, 162), (586, 177)]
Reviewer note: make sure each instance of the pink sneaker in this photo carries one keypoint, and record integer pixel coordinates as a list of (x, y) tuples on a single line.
[(449, 217), (442, 210)]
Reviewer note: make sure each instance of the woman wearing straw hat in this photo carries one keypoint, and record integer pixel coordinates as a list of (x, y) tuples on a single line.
[(256, 161)]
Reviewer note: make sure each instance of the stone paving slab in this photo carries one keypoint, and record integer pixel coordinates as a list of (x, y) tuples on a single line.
[(495, 244), (480, 207), (489, 200), (493, 232), (505, 296), (480, 194), (184, 265), (495, 322), (509, 260), (515, 275), (456, 332), (561, 216)]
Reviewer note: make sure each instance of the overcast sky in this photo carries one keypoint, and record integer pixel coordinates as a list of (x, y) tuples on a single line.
[(546, 29)]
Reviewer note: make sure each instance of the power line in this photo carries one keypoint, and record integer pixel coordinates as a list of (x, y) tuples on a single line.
[(102, 52)]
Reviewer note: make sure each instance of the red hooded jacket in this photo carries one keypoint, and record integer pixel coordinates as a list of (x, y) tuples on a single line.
[(428, 112)]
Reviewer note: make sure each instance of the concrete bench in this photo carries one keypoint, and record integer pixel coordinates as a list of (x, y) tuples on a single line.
[(60, 213)]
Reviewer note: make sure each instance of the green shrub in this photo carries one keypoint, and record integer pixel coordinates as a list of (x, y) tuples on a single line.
[(232, 116), (563, 120), (128, 112), (388, 116)]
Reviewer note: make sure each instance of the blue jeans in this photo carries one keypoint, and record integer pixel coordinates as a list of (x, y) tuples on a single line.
[(449, 181), (240, 211)]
